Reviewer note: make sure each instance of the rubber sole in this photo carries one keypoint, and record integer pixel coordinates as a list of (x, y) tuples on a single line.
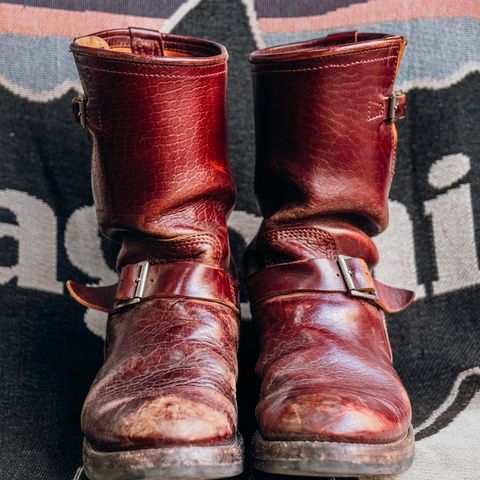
[(166, 463), (323, 459)]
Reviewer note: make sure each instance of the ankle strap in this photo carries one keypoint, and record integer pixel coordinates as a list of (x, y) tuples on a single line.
[(144, 280), (345, 275)]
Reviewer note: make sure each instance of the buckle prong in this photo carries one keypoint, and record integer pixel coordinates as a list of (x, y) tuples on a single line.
[(348, 278)]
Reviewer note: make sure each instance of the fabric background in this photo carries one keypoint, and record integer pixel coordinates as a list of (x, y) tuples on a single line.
[(51, 348)]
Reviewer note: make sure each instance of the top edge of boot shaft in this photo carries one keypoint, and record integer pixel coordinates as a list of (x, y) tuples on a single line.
[(136, 45), (330, 45)]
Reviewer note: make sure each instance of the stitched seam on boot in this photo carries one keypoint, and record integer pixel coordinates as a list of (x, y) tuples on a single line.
[(192, 76), (338, 65), (89, 57), (339, 55), (371, 103)]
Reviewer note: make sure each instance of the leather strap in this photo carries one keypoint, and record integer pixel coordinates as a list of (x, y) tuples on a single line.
[(346, 275), (144, 280)]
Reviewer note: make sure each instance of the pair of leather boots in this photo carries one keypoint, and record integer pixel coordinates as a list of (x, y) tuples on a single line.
[(163, 404)]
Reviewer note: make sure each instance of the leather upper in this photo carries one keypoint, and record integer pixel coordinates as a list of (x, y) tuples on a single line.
[(155, 110), (168, 378), (326, 371), (326, 141), (325, 104), (158, 135)]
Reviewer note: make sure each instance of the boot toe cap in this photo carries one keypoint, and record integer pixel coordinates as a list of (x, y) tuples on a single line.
[(170, 419), (337, 418)]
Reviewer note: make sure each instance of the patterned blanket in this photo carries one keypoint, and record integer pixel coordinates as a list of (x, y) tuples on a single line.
[(50, 347)]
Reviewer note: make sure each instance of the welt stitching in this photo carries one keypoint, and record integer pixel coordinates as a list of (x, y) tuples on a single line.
[(193, 76), (324, 67)]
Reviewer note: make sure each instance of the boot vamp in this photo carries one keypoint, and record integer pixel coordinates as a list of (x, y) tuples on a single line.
[(326, 372), (168, 379)]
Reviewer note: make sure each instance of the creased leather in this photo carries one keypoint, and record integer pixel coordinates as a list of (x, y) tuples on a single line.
[(155, 111), (325, 158), (168, 378)]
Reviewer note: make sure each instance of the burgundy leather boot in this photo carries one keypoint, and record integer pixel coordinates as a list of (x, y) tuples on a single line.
[(163, 404), (331, 402)]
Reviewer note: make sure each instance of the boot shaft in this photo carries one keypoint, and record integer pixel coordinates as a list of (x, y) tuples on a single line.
[(325, 135), (155, 110)]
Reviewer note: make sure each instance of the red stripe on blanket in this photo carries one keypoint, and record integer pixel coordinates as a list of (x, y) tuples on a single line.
[(37, 21)]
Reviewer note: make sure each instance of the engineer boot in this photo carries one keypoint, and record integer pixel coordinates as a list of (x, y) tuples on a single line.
[(331, 402), (163, 404)]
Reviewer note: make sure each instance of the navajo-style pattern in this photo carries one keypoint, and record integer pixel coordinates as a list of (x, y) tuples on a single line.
[(50, 347)]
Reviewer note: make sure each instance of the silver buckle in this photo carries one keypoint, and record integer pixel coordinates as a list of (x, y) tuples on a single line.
[(79, 110), (140, 283), (347, 274), (392, 106)]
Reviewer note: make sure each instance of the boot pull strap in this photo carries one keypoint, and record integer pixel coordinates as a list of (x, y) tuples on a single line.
[(146, 42), (142, 281), (345, 275)]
